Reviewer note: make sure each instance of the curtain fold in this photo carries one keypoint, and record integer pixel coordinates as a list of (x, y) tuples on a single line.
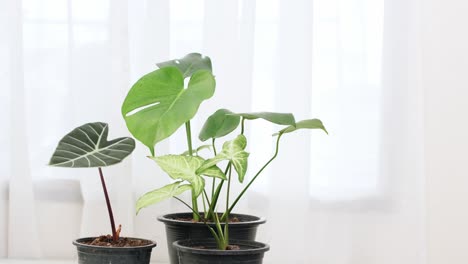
[(22, 229), (355, 196)]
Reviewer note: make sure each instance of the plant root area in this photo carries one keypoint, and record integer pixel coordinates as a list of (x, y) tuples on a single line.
[(107, 241)]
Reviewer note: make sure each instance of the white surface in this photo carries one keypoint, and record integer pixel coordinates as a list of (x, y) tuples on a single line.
[(445, 57), (37, 262), (12, 261), (360, 193)]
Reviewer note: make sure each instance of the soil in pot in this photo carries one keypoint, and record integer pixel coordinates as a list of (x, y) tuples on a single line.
[(107, 241), (126, 251), (205, 252), (180, 226)]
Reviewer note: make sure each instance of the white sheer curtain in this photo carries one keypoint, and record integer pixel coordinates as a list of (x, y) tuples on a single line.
[(355, 196)]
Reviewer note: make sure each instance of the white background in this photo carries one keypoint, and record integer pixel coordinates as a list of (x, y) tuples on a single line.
[(387, 77)]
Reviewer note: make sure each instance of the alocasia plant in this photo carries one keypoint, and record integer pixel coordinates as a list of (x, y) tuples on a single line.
[(87, 147), (158, 104)]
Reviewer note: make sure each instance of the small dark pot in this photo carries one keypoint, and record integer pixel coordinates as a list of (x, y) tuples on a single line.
[(246, 229), (250, 252), (116, 255)]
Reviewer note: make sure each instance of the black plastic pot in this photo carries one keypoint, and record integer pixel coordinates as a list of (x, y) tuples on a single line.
[(88, 254), (245, 229), (250, 252)]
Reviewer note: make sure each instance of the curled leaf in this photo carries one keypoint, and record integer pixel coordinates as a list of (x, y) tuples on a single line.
[(219, 124), (304, 124)]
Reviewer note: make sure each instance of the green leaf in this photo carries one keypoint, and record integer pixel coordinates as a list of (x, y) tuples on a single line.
[(87, 146), (277, 118), (161, 194), (189, 64), (304, 124), (233, 151), (157, 104), (215, 172), (200, 148), (219, 124), (180, 167)]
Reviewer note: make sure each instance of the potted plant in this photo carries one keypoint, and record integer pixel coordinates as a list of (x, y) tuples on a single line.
[(155, 107), (85, 147), (222, 248)]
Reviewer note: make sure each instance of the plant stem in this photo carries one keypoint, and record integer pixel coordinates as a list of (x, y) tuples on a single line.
[(189, 138), (226, 225), (189, 143), (227, 192), (219, 237), (191, 209), (206, 197), (214, 200), (242, 125), (196, 217), (214, 179), (223, 217), (204, 205), (109, 207), (214, 146)]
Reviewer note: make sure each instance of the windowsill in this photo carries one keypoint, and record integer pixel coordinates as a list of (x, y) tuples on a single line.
[(55, 261), (18, 261)]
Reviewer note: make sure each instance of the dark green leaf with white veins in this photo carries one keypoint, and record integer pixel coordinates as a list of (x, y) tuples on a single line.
[(87, 146), (276, 118), (181, 167), (219, 124), (161, 194), (233, 151), (157, 104), (304, 124), (189, 64)]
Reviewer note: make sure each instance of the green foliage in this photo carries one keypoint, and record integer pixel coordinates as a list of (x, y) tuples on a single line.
[(197, 150), (189, 64), (234, 152), (276, 118), (161, 194), (219, 124), (304, 124), (87, 146), (157, 104), (182, 167)]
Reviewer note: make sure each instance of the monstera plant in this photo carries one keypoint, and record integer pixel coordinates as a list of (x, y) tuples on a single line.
[(87, 147), (158, 104)]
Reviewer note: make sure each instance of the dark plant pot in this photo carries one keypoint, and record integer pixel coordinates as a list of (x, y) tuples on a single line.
[(246, 229), (250, 252), (88, 254)]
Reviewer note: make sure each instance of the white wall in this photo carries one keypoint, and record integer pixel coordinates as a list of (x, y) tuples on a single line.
[(3, 218), (445, 82)]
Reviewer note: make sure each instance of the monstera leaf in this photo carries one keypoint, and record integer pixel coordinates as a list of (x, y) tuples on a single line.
[(161, 194), (233, 151), (87, 146), (157, 104), (181, 167), (219, 124), (189, 64), (304, 124), (277, 118)]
